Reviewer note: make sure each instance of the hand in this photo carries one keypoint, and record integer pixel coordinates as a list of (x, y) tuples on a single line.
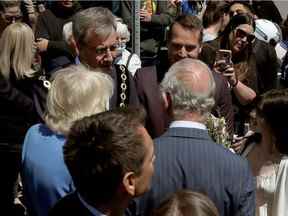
[(226, 70), (238, 143), (145, 16), (42, 44)]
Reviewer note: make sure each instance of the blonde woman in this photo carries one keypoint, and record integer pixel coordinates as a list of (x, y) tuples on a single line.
[(17, 84), (75, 93)]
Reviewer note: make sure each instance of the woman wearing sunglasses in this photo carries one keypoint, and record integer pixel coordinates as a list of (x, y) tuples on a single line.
[(237, 63)]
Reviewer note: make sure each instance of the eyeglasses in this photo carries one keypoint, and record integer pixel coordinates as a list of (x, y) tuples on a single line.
[(242, 34), (237, 12), (104, 50)]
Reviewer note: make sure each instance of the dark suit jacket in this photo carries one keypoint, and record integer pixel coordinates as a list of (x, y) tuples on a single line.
[(187, 158), (70, 205), (147, 86)]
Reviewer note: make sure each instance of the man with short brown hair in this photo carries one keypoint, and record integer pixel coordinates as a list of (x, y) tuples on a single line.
[(110, 158)]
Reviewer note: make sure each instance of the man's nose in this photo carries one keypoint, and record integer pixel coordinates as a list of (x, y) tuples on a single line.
[(183, 52), (109, 56)]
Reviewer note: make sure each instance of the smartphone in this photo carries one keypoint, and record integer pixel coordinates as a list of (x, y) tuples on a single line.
[(225, 56)]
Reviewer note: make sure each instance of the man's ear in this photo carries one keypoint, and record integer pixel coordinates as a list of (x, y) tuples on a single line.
[(167, 102), (129, 183), (75, 45)]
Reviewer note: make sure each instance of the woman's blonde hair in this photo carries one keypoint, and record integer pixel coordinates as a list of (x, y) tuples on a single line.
[(16, 51), (76, 92)]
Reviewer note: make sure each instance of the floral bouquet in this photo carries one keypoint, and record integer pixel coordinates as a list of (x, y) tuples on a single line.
[(217, 130)]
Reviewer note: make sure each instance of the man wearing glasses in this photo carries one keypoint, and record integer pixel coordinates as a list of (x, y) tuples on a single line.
[(95, 40), (10, 12)]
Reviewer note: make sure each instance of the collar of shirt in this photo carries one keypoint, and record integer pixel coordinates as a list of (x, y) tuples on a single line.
[(188, 124), (93, 210)]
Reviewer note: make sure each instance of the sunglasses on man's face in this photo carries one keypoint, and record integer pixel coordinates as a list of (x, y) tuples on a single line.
[(242, 34)]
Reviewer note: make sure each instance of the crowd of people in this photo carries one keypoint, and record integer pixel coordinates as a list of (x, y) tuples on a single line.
[(195, 125)]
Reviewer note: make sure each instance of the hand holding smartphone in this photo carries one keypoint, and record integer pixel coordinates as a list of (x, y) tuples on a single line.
[(223, 59)]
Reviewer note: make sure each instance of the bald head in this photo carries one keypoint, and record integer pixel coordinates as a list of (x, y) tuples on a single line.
[(191, 86)]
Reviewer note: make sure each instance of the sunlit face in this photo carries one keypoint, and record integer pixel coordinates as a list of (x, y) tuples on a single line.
[(99, 52), (183, 43), (11, 15), (238, 8), (240, 37), (66, 3), (143, 181)]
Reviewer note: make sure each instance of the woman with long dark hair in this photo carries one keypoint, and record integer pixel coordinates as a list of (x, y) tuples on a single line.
[(268, 155), (240, 66)]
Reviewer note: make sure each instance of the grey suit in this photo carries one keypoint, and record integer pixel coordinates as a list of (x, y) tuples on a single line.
[(188, 158)]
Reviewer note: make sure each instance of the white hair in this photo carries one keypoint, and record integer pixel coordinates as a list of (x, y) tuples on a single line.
[(67, 32), (122, 30), (184, 83), (76, 92)]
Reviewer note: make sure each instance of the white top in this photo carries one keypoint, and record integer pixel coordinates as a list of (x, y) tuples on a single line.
[(280, 203), (272, 188), (134, 64), (188, 124)]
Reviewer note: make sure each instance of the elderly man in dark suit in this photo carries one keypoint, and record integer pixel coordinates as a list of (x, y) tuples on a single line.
[(186, 157), (95, 41)]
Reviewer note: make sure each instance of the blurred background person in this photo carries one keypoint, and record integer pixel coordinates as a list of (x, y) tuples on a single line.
[(187, 203), (155, 16), (215, 19), (130, 60), (75, 92), (49, 38), (268, 155), (10, 12), (18, 84)]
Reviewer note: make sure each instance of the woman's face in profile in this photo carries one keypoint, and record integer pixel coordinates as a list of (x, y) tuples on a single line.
[(240, 37)]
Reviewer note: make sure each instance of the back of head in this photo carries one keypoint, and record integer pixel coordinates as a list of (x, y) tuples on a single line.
[(17, 50), (75, 93), (97, 19), (214, 11), (191, 86), (101, 149), (188, 22), (186, 203), (273, 106)]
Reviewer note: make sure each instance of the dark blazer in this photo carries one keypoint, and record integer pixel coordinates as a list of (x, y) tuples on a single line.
[(18, 109), (147, 84), (187, 158), (70, 205)]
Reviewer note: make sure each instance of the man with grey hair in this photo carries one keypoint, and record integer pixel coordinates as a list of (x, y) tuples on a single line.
[(186, 157), (95, 39)]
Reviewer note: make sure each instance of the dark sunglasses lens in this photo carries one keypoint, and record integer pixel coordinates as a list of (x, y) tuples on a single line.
[(240, 33)]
